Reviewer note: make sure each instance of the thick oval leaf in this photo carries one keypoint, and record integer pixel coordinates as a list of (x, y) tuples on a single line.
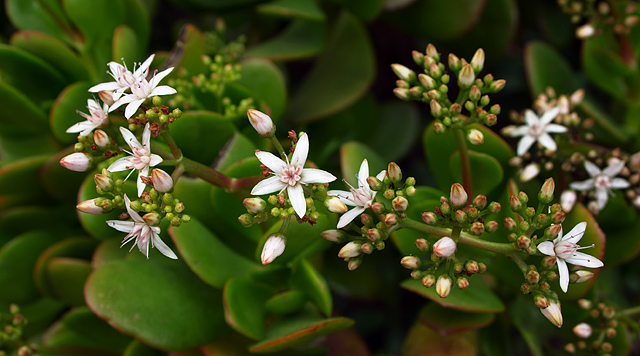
[(109, 250), (341, 75), (477, 298), (301, 9), (40, 314), (307, 279), (136, 348), (201, 135), (31, 120), (394, 115), (58, 181), (86, 324), (448, 321), (147, 301), (207, 256), (622, 231), (301, 39), (15, 148), (95, 28), (126, 45), (215, 4), (231, 345), (267, 84), (486, 171), (44, 16), (21, 219), (423, 341), (367, 10), (136, 17), (52, 51), (66, 276), (17, 258), (21, 177), (188, 54), (244, 306), (238, 147), (351, 156), (604, 67), (546, 68), (286, 302)]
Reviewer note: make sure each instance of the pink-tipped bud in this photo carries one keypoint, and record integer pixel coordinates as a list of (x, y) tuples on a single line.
[(254, 205), (582, 330), (546, 192), (458, 196), (577, 96), (272, 248), (422, 245), (101, 138), (354, 263), (427, 81), (454, 62), (432, 52), (79, 162), (581, 276), (466, 77), (462, 283), (554, 313), (390, 219), (474, 94), (443, 286), (103, 182), (352, 249), (335, 205), (541, 301), (373, 235), (261, 122), (563, 105), (428, 280), (162, 181), (400, 203), (429, 218), (152, 219), (403, 72), (106, 96), (436, 108), (477, 228), (402, 93), (529, 172), (477, 62), (585, 31), (445, 247), (480, 201), (498, 85), (475, 137), (567, 200), (410, 262), (90, 207), (332, 235)]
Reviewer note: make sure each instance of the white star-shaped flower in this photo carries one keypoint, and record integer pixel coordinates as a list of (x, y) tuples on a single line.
[(602, 181), (141, 90), (140, 157), (361, 198), (538, 129), (142, 231), (291, 175), (124, 78), (96, 118), (565, 249)]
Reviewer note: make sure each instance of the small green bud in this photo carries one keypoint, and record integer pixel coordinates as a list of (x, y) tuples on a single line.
[(157, 101)]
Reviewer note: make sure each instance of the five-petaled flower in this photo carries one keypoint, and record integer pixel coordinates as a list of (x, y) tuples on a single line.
[(141, 90), (602, 181), (291, 175), (124, 78), (140, 157), (565, 249), (97, 117), (143, 230), (538, 129), (361, 198)]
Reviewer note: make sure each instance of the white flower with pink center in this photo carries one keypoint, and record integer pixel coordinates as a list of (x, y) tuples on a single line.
[(290, 175), (97, 117), (538, 129), (141, 90), (124, 78), (603, 181), (361, 197), (565, 249), (140, 157)]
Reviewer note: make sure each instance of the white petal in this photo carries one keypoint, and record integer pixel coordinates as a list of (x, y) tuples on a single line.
[(549, 115), (132, 107), (143, 241), (143, 172), (122, 226), (143, 66), (613, 169), (381, 175), (602, 197), (122, 164), (576, 233), (520, 131), (154, 160), (146, 137), (525, 143), (345, 197), (548, 142), (82, 126), (159, 76), (124, 100), (272, 162), (162, 90), (620, 183), (592, 169), (363, 173), (115, 67), (134, 215), (530, 117), (312, 175), (563, 270), (269, 185), (555, 128), (547, 248), (347, 217), (104, 86), (130, 138), (299, 156), (584, 185), (298, 202), (582, 259), (162, 247)]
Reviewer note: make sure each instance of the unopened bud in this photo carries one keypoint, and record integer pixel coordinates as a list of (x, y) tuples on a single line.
[(106, 96), (581, 276), (466, 77), (443, 286), (548, 262), (477, 62), (515, 203), (335, 205), (577, 96), (567, 200), (439, 128), (90, 207), (152, 219), (394, 172), (261, 122), (427, 81), (422, 245), (582, 330), (458, 196), (529, 172), (352, 249), (563, 105), (475, 137), (546, 192), (510, 224), (454, 62), (436, 108), (445, 247), (585, 31), (332, 235), (480, 201), (273, 248), (523, 242), (410, 262), (558, 217), (373, 234), (418, 57), (445, 208), (462, 282), (254, 205), (101, 138), (402, 93), (354, 263), (477, 228), (460, 216), (428, 280), (103, 182), (390, 219), (474, 94), (400, 203), (162, 181), (552, 231), (584, 304), (403, 72), (497, 85), (554, 313), (78, 162), (541, 301)]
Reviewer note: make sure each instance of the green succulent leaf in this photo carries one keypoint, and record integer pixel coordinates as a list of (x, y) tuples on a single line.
[(477, 298), (307, 279), (244, 306), (301, 9)]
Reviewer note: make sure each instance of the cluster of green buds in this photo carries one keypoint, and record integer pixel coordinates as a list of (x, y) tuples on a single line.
[(619, 15), (432, 86), (105, 185), (159, 115), (279, 207), (157, 206), (362, 239), (597, 334), (11, 332)]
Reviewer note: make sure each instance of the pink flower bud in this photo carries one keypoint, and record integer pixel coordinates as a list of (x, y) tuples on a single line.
[(354, 263), (335, 205), (529, 172), (410, 262), (272, 248), (445, 247), (577, 96), (498, 85), (403, 72), (161, 180), (352, 249), (261, 122), (458, 196), (554, 313), (101, 138), (475, 137), (477, 62), (402, 94), (254, 205), (582, 330), (400, 203), (427, 81), (332, 235), (582, 276), (78, 162), (152, 219), (443, 286), (466, 77), (106, 96), (454, 62), (89, 207), (428, 280), (546, 192), (103, 182), (394, 172), (462, 282)]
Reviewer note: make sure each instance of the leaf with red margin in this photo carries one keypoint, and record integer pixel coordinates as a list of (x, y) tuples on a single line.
[(448, 321), (244, 306), (477, 298)]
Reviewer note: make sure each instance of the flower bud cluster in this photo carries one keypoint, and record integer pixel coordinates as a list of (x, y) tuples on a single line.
[(432, 87), (89, 150), (159, 115), (278, 207), (600, 17), (12, 325), (596, 334)]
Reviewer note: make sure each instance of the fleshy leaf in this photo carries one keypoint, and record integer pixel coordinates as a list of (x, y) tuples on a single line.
[(303, 9), (44, 16), (66, 277), (301, 39), (286, 302), (126, 45), (367, 10), (244, 306), (136, 348), (31, 120), (64, 114), (545, 67), (95, 28), (267, 84), (307, 279), (423, 341), (351, 156), (477, 298), (486, 171), (21, 177), (448, 321), (201, 134)]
